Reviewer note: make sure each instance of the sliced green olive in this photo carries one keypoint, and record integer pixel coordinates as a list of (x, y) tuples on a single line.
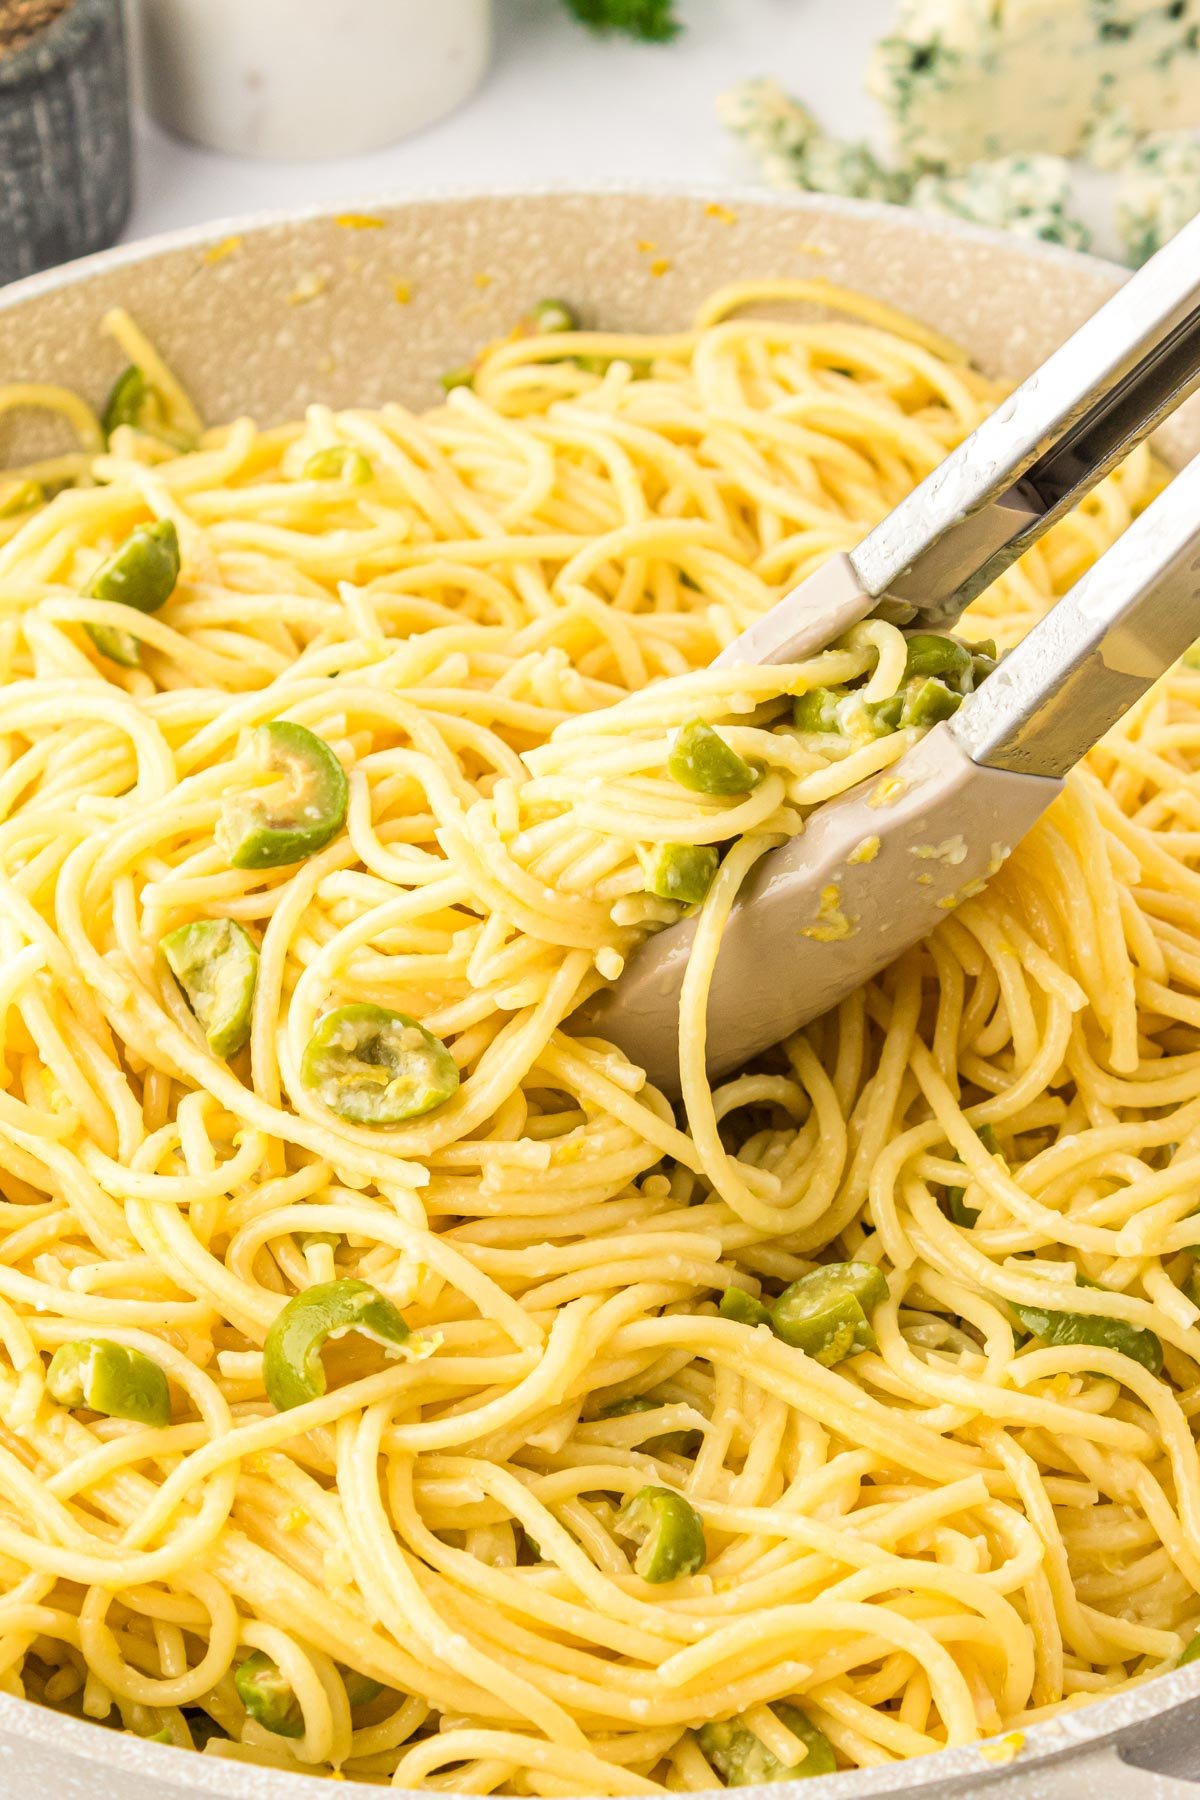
[(668, 1532), (20, 496), (737, 1304), (959, 1212), (1191, 1281), (1091, 1328), (376, 1067), (682, 1443), (928, 702), (743, 1760), (551, 315), (108, 1378), (699, 759), (142, 573), (460, 377), (360, 1689), (985, 660), (292, 1368), (1190, 1652), (131, 401), (639, 366), (682, 872), (818, 709), (826, 1313), (267, 1697), (338, 462), (928, 653), (299, 816), (956, 1208), (215, 962), (881, 717)]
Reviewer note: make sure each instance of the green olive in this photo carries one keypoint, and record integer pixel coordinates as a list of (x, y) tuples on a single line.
[(959, 1212), (743, 1760), (267, 1697), (681, 1443), (737, 1304), (1191, 1281), (463, 376), (292, 1368), (929, 653), (20, 496), (881, 717), (928, 701), (377, 1067), (360, 1689), (668, 1532), (142, 573), (682, 872), (296, 819), (338, 462), (132, 401), (551, 315), (1091, 1328), (818, 709), (1190, 1652), (215, 962), (639, 366), (699, 759), (826, 1313), (108, 1378)]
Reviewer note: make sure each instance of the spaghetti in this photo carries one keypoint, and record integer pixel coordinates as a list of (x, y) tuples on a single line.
[(422, 1569)]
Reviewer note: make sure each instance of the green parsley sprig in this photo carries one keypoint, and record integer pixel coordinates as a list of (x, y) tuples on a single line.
[(653, 21)]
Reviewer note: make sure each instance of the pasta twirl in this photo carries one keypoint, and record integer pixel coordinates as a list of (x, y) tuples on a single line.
[(271, 1093)]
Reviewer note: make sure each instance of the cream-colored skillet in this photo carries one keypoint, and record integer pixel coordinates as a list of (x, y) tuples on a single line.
[(227, 318), (954, 806)]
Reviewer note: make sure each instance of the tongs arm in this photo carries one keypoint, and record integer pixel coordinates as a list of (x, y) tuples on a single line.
[(1098, 648), (1093, 400)]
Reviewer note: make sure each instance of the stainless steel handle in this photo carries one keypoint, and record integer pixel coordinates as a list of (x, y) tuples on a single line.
[(1072, 421), (1098, 649)]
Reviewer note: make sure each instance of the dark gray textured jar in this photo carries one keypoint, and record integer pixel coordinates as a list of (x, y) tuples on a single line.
[(65, 149)]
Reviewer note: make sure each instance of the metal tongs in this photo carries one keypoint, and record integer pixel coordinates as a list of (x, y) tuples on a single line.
[(971, 789)]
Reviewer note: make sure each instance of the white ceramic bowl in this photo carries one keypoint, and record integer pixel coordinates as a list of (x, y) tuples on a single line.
[(303, 79)]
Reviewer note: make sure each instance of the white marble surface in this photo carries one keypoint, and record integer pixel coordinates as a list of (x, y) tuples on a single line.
[(559, 105)]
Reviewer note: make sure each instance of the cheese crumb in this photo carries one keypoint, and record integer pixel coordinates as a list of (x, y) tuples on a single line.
[(660, 266), (359, 222), (715, 211), (402, 292), (832, 923), (953, 851), (295, 1520), (309, 287), (609, 963), (888, 791), (1005, 1749), (227, 247), (866, 852)]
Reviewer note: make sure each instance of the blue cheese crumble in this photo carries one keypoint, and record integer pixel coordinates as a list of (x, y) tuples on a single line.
[(1028, 195), (962, 81), (1158, 191), (792, 151)]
